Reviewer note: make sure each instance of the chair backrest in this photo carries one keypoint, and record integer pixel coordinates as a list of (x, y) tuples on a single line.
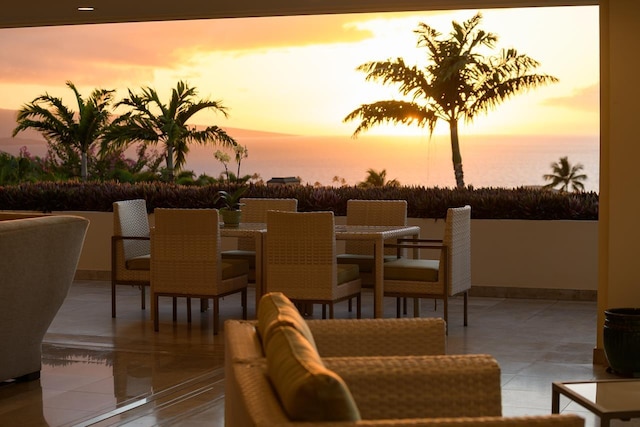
[(457, 238), (301, 254), (255, 210), (130, 219), (185, 251), (374, 212)]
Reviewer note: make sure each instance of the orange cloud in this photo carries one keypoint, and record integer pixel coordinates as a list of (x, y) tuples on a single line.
[(107, 54), (583, 99)]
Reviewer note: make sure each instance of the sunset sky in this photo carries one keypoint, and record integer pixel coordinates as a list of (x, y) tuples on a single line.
[(297, 74)]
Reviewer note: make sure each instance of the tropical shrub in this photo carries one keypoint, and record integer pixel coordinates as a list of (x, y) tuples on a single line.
[(486, 203)]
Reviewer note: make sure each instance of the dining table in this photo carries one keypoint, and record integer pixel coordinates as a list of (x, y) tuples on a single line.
[(377, 234)]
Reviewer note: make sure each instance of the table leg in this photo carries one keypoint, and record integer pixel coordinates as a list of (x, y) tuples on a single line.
[(555, 401)]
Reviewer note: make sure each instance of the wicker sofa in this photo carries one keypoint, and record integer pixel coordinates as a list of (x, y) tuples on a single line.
[(390, 372)]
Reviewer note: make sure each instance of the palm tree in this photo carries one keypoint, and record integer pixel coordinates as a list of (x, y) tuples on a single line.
[(378, 179), (458, 83), (565, 175), (76, 131), (150, 121)]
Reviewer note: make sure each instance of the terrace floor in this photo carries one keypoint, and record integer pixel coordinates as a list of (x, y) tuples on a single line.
[(102, 371)]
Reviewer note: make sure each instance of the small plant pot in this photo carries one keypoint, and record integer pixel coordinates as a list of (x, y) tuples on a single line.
[(621, 339), (230, 218)]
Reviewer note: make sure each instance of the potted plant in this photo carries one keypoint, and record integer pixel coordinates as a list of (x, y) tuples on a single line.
[(230, 211)]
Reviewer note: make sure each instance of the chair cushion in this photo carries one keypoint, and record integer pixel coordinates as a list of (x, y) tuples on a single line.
[(275, 309), (422, 270), (234, 268), (365, 262), (347, 273), (249, 256), (142, 262), (307, 390)]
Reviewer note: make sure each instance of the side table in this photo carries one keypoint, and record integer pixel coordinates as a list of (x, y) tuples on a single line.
[(607, 399)]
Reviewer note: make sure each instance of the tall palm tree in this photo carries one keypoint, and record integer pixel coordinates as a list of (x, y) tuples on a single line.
[(150, 121), (378, 179), (565, 175), (61, 125), (457, 84)]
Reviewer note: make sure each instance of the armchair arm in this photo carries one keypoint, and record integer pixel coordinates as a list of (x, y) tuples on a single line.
[(422, 386), (378, 337), (417, 244)]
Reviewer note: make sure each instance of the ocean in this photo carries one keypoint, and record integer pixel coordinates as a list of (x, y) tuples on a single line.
[(488, 161)]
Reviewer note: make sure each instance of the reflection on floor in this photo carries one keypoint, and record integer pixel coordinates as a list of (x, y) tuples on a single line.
[(102, 371)]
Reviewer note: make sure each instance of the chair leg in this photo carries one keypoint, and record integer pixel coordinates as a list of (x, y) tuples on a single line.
[(466, 298), (330, 311), (324, 311), (156, 321), (358, 306), (188, 309), (204, 305), (142, 297), (398, 308), (404, 306), (216, 315), (244, 303), (175, 309), (350, 306), (445, 304), (416, 307), (113, 299)]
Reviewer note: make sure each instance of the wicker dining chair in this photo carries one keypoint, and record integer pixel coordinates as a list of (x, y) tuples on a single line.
[(130, 250), (254, 210), (442, 278), (301, 261), (186, 261), (371, 212)]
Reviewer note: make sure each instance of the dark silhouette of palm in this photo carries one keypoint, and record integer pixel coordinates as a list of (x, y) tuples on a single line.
[(61, 125), (378, 179), (150, 121), (565, 175), (457, 84)]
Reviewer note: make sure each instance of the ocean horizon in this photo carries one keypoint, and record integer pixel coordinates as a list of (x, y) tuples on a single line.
[(508, 161)]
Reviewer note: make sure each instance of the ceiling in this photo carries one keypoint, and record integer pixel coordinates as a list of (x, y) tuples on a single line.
[(33, 13)]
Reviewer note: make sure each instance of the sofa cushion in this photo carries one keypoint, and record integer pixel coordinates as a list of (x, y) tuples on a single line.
[(275, 309), (307, 390)]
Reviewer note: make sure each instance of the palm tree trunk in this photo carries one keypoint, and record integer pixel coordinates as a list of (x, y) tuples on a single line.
[(83, 166), (170, 162), (456, 157)]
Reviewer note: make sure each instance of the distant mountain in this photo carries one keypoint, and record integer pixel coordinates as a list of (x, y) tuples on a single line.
[(29, 137)]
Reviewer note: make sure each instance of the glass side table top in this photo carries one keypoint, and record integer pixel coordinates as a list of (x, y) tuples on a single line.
[(609, 395), (608, 399)]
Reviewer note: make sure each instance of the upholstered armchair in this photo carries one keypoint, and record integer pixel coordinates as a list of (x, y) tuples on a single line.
[(38, 261)]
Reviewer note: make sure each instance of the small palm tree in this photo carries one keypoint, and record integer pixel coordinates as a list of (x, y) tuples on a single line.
[(458, 84), (151, 121), (77, 131), (565, 175), (378, 179)]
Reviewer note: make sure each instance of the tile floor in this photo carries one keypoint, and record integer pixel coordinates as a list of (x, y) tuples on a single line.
[(102, 371)]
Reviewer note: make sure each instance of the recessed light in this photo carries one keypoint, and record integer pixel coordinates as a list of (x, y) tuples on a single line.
[(86, 8)]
